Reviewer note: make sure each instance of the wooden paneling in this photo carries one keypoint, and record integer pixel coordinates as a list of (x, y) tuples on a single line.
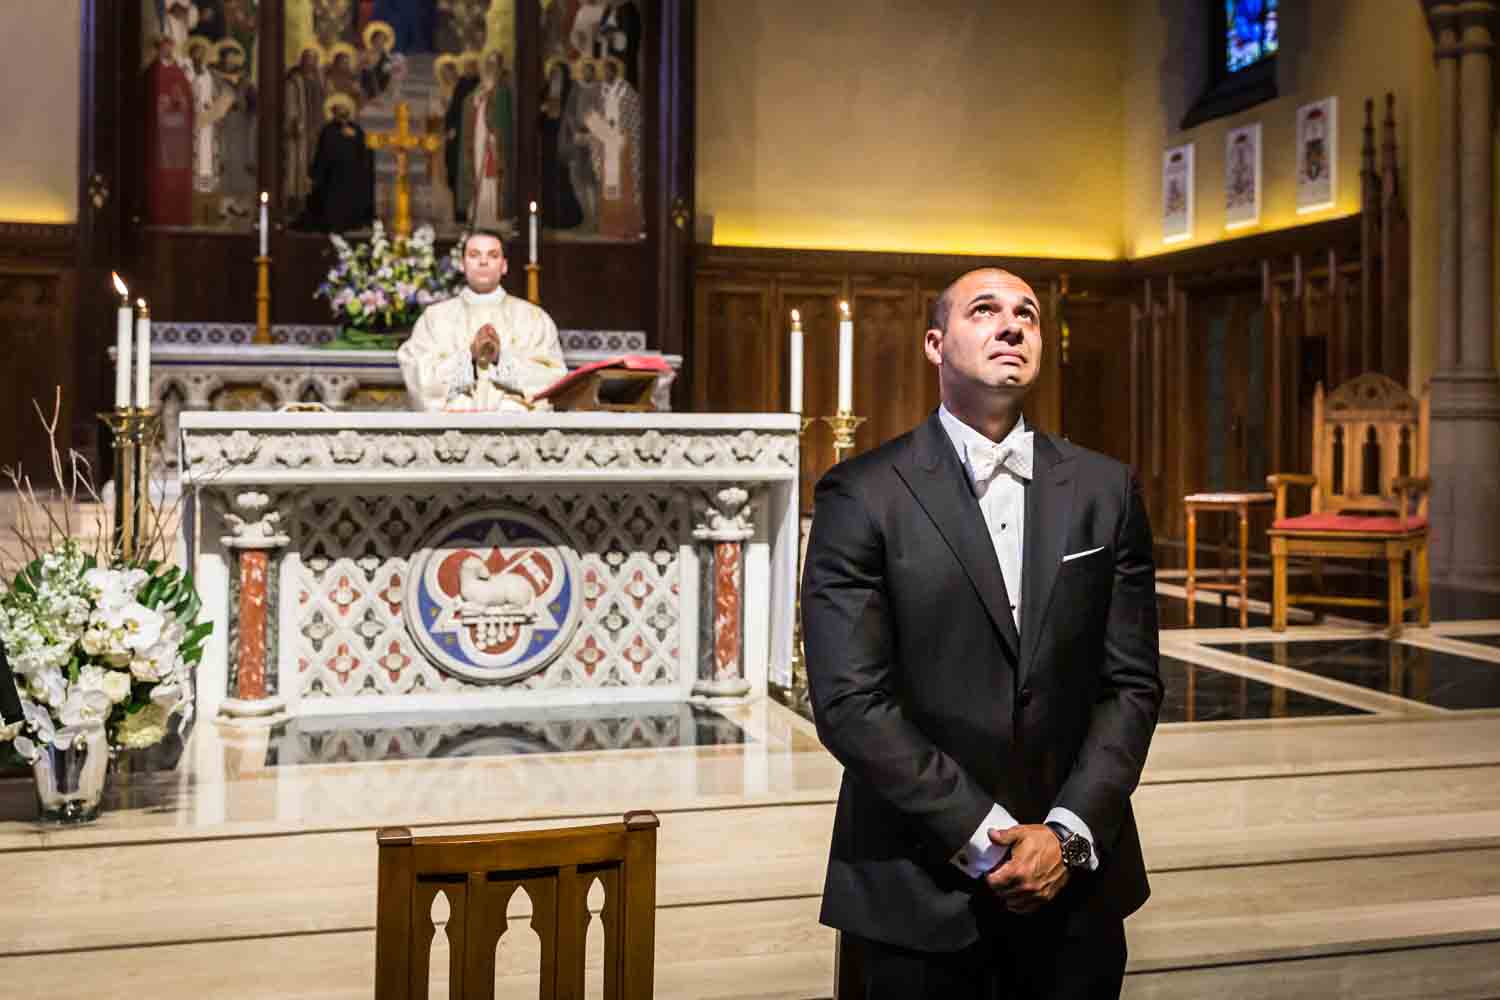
[(894, 385), (1095, 395), (743, 303), (36, 331)]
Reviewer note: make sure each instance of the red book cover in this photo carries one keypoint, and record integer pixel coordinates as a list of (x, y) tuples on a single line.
[(629, 362)]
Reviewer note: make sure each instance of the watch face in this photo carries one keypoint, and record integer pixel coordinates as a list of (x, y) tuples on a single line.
[(1075, 852)]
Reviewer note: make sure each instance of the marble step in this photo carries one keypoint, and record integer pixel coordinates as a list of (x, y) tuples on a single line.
[(772, 948), (1454, 972), (318, 882), (775, 948)]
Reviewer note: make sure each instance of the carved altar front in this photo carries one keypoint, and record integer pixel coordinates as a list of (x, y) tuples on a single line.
[(363, 562)]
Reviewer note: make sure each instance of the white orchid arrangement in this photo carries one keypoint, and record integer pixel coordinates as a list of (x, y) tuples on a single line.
[(99, 645), (93, 638), (384, 284)]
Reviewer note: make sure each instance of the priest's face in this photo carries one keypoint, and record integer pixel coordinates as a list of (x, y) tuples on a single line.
[(484, 263), (992, 343)]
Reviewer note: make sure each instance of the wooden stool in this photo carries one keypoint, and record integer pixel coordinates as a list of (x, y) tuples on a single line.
[(1237, 502)]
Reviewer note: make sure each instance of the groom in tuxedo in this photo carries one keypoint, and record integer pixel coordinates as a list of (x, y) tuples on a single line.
[(979, 614)]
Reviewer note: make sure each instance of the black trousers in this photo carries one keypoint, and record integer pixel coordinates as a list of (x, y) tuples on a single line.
[(1040, 961)]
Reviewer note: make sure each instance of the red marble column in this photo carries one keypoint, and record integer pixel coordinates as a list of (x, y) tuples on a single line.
[(727, 619), (251, 667), (723, 527)]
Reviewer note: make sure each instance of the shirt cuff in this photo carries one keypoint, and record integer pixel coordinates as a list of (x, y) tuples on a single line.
[(979, 856), (1075, 823)]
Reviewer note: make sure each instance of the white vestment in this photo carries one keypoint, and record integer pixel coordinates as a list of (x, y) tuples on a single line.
[(439, 369)]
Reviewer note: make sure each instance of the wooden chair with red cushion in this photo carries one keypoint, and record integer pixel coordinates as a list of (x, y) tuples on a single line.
[(1369, 496)]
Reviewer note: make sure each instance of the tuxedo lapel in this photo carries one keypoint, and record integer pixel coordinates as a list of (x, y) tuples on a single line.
[(931, 470), (1049, 510)]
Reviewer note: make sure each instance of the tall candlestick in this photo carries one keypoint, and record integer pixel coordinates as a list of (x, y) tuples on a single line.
[(532, 258), (265, 223), (143, 356), (122, 346), (846, 360), (795, 366)]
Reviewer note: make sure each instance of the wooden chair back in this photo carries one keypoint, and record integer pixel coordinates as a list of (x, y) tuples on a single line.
[(479, 873), (1367, 433)]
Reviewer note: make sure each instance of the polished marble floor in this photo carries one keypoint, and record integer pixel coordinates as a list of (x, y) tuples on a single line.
[(1429, 676), (1198, 693)]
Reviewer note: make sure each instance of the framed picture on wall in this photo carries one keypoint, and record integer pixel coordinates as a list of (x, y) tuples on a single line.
[(1177, 194), (1242, 177), (1317, 155)]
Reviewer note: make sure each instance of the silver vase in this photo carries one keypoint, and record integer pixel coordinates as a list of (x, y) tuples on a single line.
[(70, 780)]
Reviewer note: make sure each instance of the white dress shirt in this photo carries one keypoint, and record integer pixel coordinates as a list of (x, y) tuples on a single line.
[(1001, 491)]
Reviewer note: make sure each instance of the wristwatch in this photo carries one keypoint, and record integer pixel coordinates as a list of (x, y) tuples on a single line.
[(1076, 850)]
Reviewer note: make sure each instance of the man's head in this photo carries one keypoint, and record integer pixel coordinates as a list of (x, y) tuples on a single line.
[(164, 48), (587, 69), (471, 64), (985, 338), (339, 107), (484, 260), (611, 70), (310, 61)]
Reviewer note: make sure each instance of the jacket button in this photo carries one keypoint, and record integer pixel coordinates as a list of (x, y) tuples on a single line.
[(1023, 698)]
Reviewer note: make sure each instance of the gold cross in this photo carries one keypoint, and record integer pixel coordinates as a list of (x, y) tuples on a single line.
[(403, 142)]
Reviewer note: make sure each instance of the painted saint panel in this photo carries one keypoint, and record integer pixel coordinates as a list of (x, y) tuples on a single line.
[(201, 147), (353, 63), (592, 120)]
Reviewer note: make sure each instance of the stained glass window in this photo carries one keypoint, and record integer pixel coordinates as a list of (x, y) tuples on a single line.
[(1249, 32)]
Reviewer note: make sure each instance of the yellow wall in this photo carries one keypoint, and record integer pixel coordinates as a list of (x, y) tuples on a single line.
[(950, 126), (944, 126), (39, 77)]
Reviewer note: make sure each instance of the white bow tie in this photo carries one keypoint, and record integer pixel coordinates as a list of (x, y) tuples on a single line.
[(1015, 454)]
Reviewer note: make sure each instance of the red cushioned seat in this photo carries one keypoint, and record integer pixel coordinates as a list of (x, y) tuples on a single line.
[(1352, 522)]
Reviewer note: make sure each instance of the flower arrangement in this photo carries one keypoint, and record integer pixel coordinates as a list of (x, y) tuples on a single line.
[(379, 288), (91, 644), (101, 648)]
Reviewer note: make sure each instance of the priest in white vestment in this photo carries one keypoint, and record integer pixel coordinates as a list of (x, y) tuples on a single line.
[(482, 350)]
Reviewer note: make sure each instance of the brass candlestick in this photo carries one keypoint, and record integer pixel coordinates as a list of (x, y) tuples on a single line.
[(800, 695), (534, 284), (262, 300), (134, 430), (844, 425)]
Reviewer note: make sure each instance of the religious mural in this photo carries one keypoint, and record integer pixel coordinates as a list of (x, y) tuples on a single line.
[(449, 61), (201, 149), (591, 119)]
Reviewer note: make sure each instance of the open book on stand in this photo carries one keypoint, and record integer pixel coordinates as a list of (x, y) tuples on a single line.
[(623, 383)]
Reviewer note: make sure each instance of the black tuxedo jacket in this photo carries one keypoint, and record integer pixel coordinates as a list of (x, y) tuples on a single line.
[(938, 708)]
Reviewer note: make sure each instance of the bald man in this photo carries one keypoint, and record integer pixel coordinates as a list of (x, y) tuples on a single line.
[(980, 623)]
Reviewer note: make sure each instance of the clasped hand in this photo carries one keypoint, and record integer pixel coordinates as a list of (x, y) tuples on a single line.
[(485, 348), (1033, 873)]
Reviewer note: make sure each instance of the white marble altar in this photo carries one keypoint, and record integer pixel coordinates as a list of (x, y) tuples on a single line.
[(361, 562)]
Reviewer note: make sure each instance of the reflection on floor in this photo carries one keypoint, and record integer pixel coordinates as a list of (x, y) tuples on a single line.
[(1196, 693), (1429, 676), (344, 739)]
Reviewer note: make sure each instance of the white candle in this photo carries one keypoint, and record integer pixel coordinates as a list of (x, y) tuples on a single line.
[(122, 346), (265, 224), (795, 365), (533, 233), (143, 356), (846, 360)]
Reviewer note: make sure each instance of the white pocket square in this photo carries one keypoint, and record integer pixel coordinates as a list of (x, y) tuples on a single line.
[(1080, 555)]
